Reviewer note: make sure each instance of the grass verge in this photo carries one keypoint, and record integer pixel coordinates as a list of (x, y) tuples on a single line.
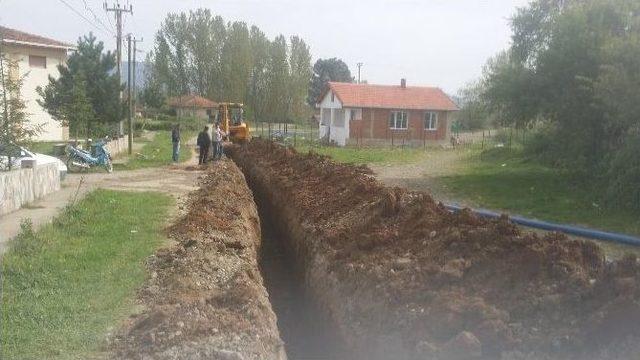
[(367, 155), (66, 285), (158, 152), (505, 180)]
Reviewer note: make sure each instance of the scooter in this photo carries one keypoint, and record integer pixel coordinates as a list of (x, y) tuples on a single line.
[(78, 159)]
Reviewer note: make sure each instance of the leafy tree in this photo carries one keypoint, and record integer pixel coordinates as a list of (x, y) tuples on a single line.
[(15, 128), (259, 81), (325, 70), (90, 65), (237, 63), (474, 113), (278, 80), (300, 69), (77, 110)]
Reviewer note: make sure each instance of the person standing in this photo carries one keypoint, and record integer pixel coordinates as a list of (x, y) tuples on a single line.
[(204, 142), (217, 142), (175, 140)]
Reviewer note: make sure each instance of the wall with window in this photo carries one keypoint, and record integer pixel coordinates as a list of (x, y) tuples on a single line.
[(379, 124), (36, 65)]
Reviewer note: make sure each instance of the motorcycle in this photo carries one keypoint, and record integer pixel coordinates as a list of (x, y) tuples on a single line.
[(78, 159)]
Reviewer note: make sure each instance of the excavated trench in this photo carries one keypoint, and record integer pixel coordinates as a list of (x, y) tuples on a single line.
[(305, 329), (390, 274)]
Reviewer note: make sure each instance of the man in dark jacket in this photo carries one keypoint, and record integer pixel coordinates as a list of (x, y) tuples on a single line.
[(175, 140), (204, 142)]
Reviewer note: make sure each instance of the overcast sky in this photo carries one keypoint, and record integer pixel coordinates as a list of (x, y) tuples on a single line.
[(430, 42)]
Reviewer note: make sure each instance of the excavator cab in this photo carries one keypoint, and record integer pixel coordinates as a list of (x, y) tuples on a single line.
[(231, 118)]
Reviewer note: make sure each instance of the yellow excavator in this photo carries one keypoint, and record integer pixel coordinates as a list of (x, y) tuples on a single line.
[(231, 118)]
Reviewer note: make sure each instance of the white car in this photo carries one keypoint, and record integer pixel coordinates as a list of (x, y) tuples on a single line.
[(19, 153)]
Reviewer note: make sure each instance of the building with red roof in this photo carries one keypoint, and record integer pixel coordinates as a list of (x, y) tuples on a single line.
[(384, 114), (34, 58), (192, 106)]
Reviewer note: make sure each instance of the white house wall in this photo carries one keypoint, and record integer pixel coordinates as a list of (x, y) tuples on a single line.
[(34, 77)]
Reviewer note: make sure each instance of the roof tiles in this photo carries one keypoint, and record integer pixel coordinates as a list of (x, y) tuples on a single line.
[(392, 97)]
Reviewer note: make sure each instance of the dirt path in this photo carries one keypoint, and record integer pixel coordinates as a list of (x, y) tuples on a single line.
[(422, 175), (176, 180)]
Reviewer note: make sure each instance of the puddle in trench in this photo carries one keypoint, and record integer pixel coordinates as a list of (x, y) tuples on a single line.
[(303, 327)]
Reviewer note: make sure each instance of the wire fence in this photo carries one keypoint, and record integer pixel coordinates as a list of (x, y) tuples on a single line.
[(286, 133)]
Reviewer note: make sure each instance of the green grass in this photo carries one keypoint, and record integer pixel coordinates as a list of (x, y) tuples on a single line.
[(158, 152), (367, 155), (504, 180), (68, 284)]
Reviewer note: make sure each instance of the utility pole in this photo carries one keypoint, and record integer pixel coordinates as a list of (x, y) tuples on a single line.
[(129, 99), (118, 10), (359, 66), (135, 84)]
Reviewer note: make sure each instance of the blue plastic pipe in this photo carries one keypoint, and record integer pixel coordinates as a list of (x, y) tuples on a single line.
[(544, 225)]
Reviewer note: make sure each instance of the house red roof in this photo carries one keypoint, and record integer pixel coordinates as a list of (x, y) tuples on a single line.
[(191, 101), (16, 36), (391, 97)]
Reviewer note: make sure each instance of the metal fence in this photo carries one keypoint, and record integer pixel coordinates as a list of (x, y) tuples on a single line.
[(286, 133)]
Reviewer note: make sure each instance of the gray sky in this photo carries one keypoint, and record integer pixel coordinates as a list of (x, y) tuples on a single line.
[(430, 42)]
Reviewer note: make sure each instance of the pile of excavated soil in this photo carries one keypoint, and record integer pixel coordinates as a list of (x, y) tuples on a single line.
[(402, 278), (205, 298)]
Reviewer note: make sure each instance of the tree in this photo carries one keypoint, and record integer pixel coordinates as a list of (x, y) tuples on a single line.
[(474, 113), (300, 69), (325, 70), (278, 81), (91, 65), (15, 128), (237, 63), (259, 81), (77, 110)]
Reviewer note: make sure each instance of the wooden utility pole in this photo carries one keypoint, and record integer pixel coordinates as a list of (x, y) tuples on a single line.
[(129, 99), (359, 66), (118, 11)]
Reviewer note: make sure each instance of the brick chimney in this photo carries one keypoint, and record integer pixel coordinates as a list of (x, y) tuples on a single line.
[(403, 83)]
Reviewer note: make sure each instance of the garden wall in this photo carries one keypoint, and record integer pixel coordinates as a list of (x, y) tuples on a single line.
[(22, 186)]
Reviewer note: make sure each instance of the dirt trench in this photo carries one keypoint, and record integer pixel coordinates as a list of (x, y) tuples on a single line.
[(399, 277), (205, 298)]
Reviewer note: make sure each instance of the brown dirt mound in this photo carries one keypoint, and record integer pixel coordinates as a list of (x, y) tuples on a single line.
[(403, 278), (205, 298)]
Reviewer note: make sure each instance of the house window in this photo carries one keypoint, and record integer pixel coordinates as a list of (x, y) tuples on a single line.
[(352, 115), (37, 61), (333, 97), (431, 121), (398, 120)]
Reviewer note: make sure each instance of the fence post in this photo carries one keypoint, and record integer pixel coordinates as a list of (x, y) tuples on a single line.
[(482, 139), (269, 129), (295, 135)]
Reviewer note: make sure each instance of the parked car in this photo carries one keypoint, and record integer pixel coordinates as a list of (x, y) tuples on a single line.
[(19, 153)]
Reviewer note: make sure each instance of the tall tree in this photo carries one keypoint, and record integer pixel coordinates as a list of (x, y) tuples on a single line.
[(237, 61), (300, 69), (97, 69), (325, 70), (278, 72), (259, 81)]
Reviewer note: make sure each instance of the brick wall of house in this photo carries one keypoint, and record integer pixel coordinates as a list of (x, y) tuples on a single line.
[(375, 125)]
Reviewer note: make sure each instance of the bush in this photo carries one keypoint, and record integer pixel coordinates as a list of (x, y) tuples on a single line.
[(623, 176)]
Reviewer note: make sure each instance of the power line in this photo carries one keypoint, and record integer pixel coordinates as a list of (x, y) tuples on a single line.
[(81, 15), (88, 8)]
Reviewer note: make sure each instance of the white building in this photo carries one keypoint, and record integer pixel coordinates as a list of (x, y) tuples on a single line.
[(37, 58)]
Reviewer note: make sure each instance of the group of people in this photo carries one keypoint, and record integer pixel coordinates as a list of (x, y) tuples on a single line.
[(208, 138), (209, 142)]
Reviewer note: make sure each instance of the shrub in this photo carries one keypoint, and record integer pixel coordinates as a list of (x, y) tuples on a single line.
[(624, 176)]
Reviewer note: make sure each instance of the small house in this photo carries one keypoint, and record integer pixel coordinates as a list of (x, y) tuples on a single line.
[(192, 106), (368, 114)]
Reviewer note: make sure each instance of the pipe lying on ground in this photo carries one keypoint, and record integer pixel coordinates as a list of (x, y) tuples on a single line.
[(545, 225)]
